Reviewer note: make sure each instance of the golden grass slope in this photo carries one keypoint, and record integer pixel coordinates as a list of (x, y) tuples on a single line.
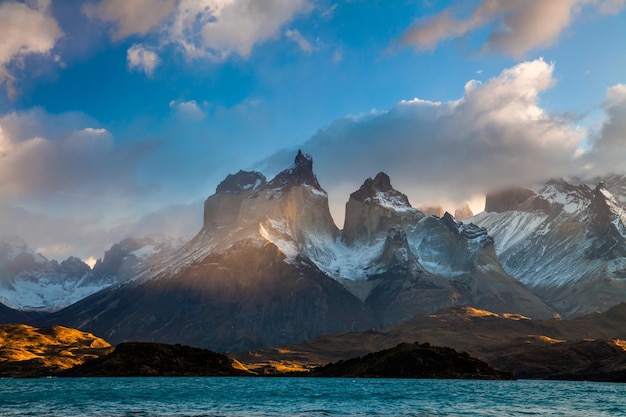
[(31, 351)]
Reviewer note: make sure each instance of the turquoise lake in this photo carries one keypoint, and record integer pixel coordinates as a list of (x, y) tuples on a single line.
[(306, 397)]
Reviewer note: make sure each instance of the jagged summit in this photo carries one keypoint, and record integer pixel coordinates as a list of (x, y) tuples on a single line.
[(380, 191), (374, 208), (566, 236), (300, 173), (241, 181), (396, 250)]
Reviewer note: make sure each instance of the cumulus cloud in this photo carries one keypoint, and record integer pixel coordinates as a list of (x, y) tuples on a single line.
[(301, 41), (44, 155), (608, 152), (141, 59), (130, 17), (219, 28), (515, 27), (496, 135), (52, 165), (188, 110), (213, 29), (25, 29)]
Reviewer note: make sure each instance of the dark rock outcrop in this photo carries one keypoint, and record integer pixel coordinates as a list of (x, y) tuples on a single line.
[(158, 359), (300, 173), (413, 360), (587, 348), (241, 181)]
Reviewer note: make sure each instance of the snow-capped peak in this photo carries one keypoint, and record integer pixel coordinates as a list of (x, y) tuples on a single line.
[(379, 191)]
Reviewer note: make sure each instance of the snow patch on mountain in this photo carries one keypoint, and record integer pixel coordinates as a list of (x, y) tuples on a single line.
[(277, 232), (44, 292), (618, 211), (390, 201), (511, 227), (352, 262), (572, 199)]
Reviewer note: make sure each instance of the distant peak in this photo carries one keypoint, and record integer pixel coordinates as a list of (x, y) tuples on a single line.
[(382, 182), (303, 159), (300, 173), (241, 181), (380, 191)]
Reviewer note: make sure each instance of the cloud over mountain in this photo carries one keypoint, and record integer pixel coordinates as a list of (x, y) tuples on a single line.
[(496, 135)]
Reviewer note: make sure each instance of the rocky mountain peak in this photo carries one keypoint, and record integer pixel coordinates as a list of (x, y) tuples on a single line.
[(469, 231), (396, 250), (463, 212), (374, 208), (241, 181), (379, 190), (300, 173), (507, 200)]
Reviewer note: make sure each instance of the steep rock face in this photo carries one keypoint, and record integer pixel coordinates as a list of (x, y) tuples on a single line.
[(436, 211), (462, 213), (413, 264), (374, 208), (399, 285), (270, 267), (507, 200), (246, 280), (235, 300), (569, 249), (464, 255)]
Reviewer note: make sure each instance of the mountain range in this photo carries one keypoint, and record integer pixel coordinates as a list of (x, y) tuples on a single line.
[(270, 267)]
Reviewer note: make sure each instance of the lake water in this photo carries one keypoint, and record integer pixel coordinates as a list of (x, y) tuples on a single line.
[(306, 397)]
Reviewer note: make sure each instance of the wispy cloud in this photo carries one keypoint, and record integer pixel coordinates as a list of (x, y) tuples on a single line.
[(515, 27), (300, 40), (130, 17)]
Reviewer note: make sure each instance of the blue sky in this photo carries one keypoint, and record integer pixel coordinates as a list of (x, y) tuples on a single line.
[(120, 117)]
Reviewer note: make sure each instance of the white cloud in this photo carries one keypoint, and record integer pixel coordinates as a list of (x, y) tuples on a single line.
[(51, 155), (219, 28), (303, 43), (213, 29), (189, 110), (608, 153), (338, 55), (515, 27), (141, 59), (495, 136), (131, 16), (25, 29), (612, 6)]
